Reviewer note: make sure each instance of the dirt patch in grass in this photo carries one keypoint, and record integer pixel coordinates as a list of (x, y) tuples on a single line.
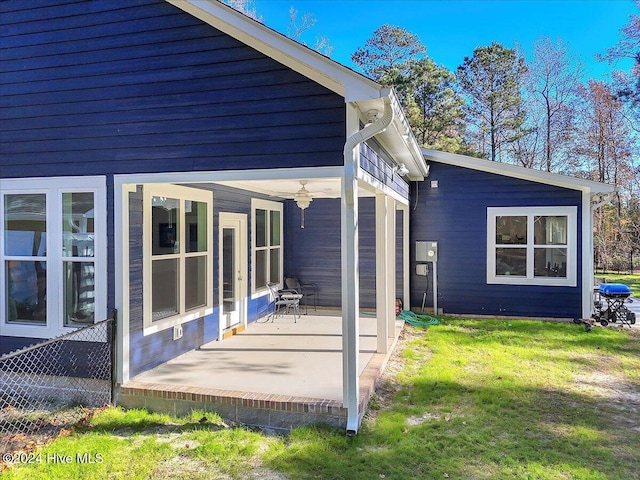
[(39, 428), (388, 384)]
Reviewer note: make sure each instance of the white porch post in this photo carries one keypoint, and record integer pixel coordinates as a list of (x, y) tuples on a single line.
[(385, 269), (350, 299), (382, 273), (390, 292), (406, 291)]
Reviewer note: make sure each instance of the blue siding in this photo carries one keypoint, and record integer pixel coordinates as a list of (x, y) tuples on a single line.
[(372, 161), (455, 215), (312, 254), (11, 344), (139, 86)]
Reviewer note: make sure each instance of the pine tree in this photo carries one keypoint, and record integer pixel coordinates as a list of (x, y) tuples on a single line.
[(491, 80)]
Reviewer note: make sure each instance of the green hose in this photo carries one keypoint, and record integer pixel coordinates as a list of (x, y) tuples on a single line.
[(417, 320)]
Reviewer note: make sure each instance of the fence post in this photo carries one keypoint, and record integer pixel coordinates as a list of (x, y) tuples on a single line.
[(112, 339)]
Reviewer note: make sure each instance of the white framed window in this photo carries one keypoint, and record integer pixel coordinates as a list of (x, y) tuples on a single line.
[(532, 245), (53, 251), (266, 245), (177, 255)]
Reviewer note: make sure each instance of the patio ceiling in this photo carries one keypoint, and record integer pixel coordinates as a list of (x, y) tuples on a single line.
[(286, 188)]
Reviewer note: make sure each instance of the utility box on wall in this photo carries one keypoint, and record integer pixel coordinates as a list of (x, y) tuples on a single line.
[(426, 251)]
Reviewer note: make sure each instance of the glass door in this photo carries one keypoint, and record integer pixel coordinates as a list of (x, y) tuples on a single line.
[(233, 261)]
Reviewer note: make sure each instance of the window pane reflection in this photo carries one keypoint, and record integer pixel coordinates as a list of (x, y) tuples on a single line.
[(79, 293), (165, 218), (274, 228), (261, 268), (165, 296), (77, 224), (550, 230), (511, 230), (274, 265), (550, 262), (261, 228), (511, 261), (25, 225), (26, 292), (195, 282), (196, 226)]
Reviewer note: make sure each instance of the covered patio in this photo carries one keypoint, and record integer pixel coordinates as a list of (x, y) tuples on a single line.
[(274, 374)]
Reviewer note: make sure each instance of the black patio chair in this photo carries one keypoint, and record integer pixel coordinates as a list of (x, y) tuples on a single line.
[(288, 299), (306, 289)]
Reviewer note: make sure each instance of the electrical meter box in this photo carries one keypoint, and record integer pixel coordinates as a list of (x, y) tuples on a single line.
[(426, 251)]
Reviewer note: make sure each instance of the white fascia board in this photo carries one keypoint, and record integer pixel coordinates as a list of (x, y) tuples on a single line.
[(294, 55), (398, 138), (516, 171)]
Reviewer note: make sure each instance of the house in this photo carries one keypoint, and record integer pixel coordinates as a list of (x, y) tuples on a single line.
[(154, 158), (512, 241)]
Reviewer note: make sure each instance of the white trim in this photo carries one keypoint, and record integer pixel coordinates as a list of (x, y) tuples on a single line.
[(569, 211), (231, 175), (121, 246), (227, 219), (587, 256), (268, 205), (53, 188), (182, 194), (516, 171)]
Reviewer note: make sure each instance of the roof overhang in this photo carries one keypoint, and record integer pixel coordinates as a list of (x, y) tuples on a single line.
[(516, 171), (398, 138)]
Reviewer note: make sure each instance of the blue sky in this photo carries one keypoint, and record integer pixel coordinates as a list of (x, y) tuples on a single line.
[(451, 29)]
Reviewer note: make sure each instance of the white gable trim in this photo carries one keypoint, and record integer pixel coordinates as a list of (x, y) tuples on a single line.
[(517, 172)]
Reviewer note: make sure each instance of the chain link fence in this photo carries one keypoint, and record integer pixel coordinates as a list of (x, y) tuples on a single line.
[(47, 386)]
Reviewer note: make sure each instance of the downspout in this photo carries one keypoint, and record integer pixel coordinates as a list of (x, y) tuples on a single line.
[(350, 288)]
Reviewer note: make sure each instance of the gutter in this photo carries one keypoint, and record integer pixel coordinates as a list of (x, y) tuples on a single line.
[(349, 262)]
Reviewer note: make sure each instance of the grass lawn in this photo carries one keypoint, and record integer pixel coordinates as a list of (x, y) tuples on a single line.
[(462, 400), (633, 281)]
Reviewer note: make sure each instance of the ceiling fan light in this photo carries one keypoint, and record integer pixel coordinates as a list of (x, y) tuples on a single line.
[(302, 204), (302, 197)]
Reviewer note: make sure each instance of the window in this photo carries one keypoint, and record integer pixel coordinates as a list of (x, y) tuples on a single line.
[(177, 259), (532, 245), (266, 252), (53, 253)]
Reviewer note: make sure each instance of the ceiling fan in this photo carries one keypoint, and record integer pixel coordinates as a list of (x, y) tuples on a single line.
[(303, 199)]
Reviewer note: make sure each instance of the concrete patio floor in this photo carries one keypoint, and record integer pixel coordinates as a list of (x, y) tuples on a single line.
[(276, 374)]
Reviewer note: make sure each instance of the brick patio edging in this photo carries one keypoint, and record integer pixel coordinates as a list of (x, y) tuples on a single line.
[(264, 410)]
